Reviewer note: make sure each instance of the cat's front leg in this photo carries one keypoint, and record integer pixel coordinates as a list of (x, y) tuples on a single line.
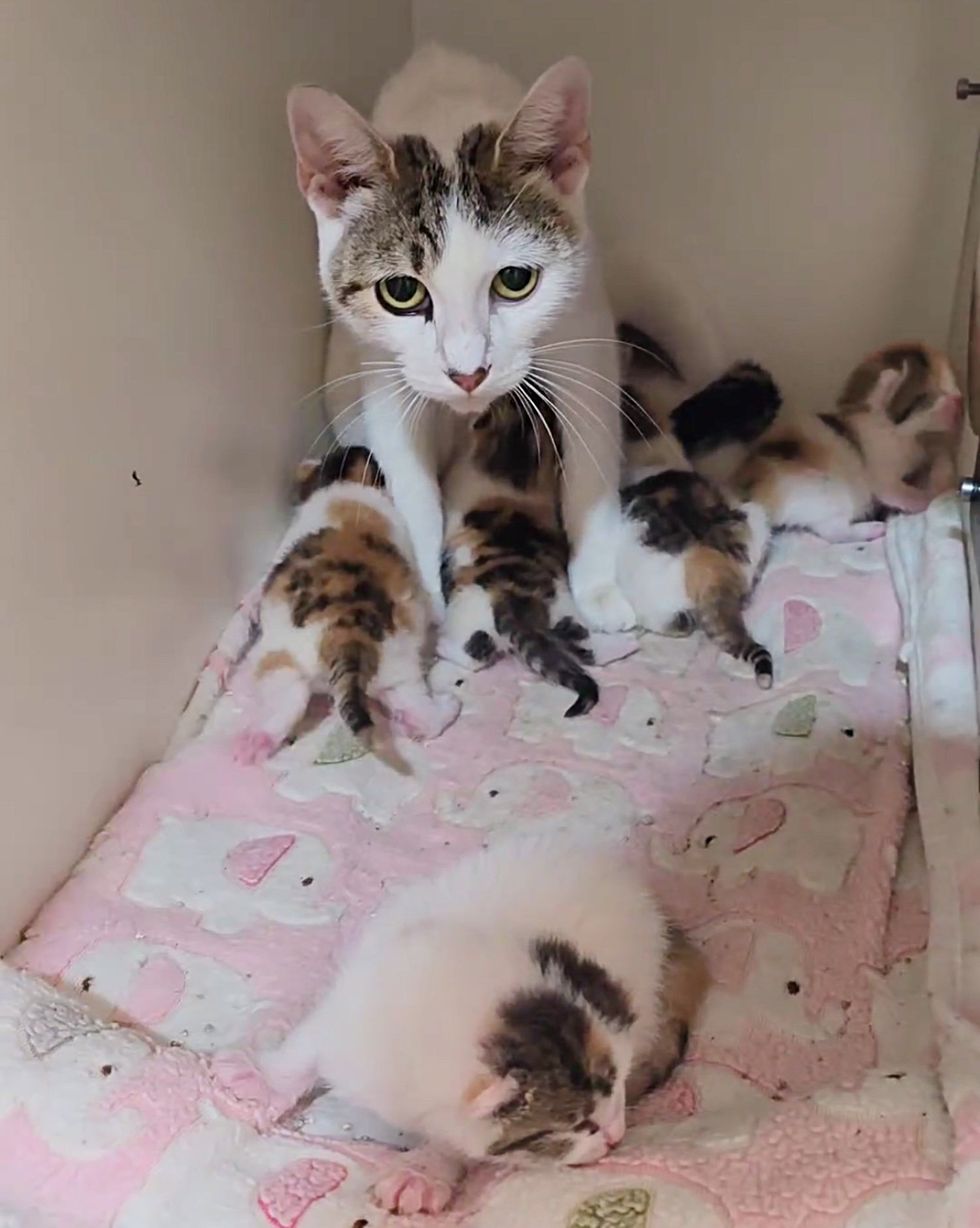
[(420, 1181), (590, 499), (407, 459)]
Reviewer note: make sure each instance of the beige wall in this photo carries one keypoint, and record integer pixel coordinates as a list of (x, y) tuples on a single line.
[(156, 303), (804, 164)]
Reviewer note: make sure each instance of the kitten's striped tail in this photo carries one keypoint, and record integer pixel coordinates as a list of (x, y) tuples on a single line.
[(350, 665), (545, 651), (717, 588)]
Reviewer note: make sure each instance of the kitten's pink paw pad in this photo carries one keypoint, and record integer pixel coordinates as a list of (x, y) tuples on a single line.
[(252, 746), (425, 718), (406, 1192)]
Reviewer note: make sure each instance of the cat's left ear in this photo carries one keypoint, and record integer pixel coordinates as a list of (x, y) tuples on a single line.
[(550, 130)]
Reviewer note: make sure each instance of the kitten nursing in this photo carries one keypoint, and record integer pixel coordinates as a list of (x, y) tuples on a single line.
[(511, 1007), (343, 611), (506, 555), (453, 246)]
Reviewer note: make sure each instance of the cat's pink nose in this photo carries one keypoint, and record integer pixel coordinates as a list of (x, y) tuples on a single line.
[(469, 381)]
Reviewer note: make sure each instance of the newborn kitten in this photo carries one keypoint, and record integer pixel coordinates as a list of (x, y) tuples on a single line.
[(506, 555), (343, 611), (509, 1007), (689, 556), (888, 446)]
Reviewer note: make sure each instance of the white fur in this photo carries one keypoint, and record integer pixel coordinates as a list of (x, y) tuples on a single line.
[(399, 1031), (439, 94), (654, 581)]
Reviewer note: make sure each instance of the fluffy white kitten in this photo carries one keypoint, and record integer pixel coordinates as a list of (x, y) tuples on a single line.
[(455, 255), (507, 1008)]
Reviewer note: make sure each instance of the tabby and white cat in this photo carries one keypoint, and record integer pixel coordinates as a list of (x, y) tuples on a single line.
[(511, 1007), (342, 612), (452, 246)]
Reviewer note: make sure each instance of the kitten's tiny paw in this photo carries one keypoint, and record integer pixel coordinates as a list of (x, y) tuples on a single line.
[(605, 608), (424, 717), (403, 1191), (253, 746)]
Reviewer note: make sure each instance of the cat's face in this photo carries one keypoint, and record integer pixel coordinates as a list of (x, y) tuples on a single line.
[(554, 1085), (905, 411), (451, 267)]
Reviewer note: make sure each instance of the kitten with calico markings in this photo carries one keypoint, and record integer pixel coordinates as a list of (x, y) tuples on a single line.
[(343, 611), (453, 245), (508, 1008), (688, 555), (888, 445), (506, 555)]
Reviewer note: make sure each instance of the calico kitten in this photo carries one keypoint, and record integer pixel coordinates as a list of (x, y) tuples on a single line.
[(688, 555), (343, 611), (887, 446), (508, 1008), (506, 555), (449, 257)]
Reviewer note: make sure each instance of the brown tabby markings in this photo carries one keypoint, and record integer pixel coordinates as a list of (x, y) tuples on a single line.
[(543, 1032), (403, 221)]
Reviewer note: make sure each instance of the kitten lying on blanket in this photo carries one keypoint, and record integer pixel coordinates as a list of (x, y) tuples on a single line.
[(510, 1007), (888, 445), (343, 611), (689, 556), (506, 555)]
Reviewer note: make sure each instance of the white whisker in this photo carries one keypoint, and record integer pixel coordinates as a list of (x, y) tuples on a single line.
[(553, 365), (539, 381)]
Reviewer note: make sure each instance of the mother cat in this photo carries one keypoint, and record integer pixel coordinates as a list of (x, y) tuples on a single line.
[(453, 245)]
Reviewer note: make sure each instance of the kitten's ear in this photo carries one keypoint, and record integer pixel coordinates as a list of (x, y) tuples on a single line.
[(337, 150), (550, 130), (486, 1094)]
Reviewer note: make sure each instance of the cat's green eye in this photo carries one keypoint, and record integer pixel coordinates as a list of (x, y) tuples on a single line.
[(401, 294), (514, 282)]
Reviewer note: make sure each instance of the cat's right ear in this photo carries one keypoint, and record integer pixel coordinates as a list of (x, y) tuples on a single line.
[(337, 151)]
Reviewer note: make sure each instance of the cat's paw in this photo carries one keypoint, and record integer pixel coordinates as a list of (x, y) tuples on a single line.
[(605, 608), (252, 746), (408, 1189), (421, 716)]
